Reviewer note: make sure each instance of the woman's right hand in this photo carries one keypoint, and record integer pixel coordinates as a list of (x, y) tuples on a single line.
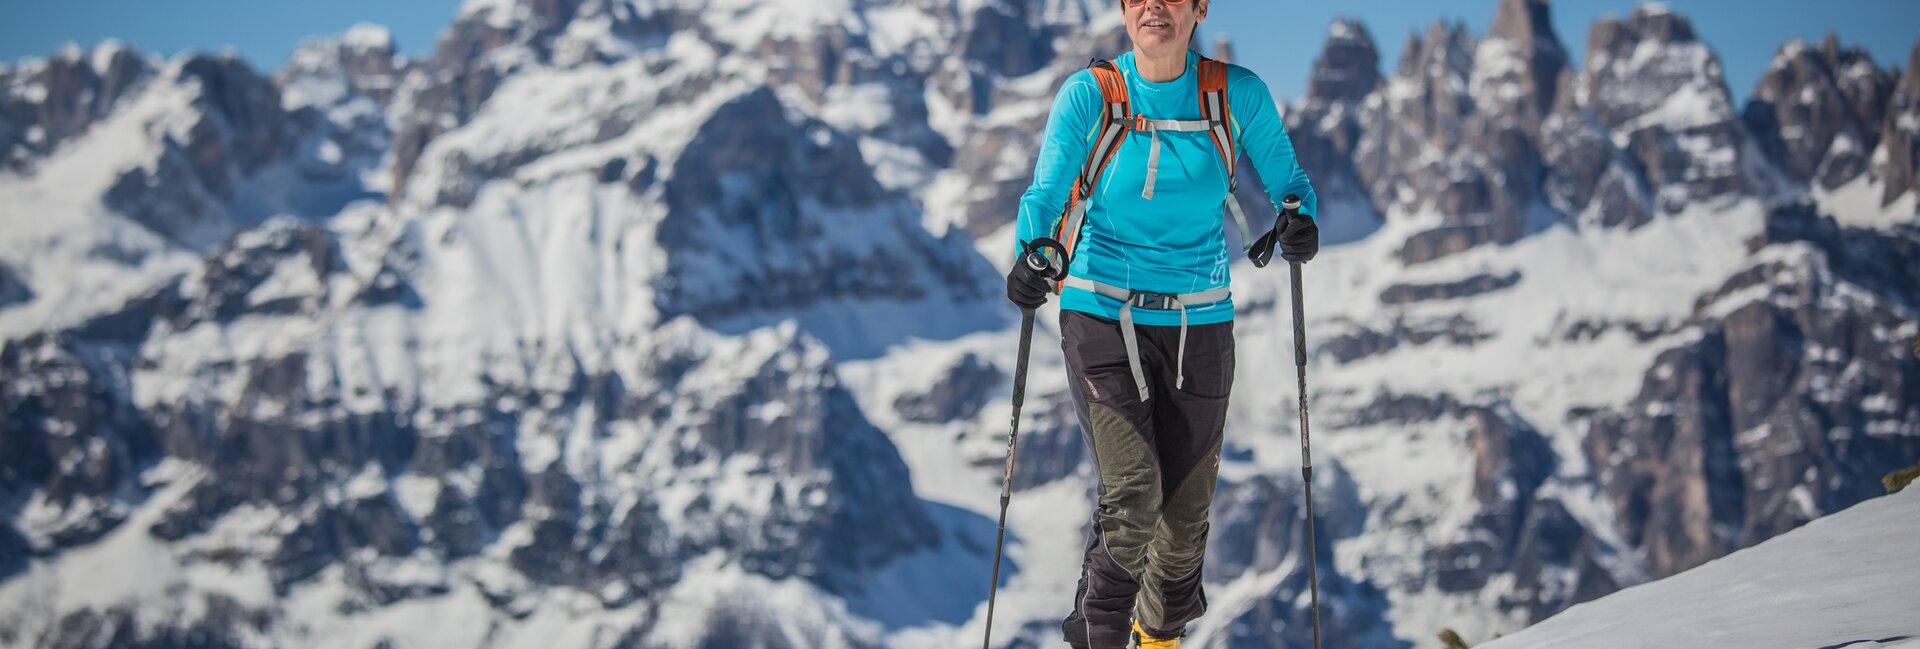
[(1026, 287)]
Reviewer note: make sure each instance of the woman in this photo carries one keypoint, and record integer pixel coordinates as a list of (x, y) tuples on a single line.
[(1145, 314)]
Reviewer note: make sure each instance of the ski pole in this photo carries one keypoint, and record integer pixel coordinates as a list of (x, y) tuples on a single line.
[(1035, 257), (1290, 208)]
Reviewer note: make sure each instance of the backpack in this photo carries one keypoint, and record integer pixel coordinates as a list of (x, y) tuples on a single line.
[(1117, 119)]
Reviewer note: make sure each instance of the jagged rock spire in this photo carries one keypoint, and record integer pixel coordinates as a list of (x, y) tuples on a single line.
[(1348, 68)]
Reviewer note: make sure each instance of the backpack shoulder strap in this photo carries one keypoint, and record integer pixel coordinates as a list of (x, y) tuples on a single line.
[(1115, 117), (1218, 114)]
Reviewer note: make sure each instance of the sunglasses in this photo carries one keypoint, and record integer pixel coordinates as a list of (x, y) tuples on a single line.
[(1136, 3)]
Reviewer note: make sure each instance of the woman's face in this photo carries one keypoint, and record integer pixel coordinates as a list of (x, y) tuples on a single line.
[(1158, 26)]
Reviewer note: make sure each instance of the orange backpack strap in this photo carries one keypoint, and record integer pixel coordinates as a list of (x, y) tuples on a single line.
[(1115, 115), (1216, 111), (1218, 114)]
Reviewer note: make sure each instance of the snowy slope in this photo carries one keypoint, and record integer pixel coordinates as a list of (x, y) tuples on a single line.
[(1846, 580)]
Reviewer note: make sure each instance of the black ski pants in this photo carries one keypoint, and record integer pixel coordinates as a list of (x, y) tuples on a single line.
[(1156, 460)]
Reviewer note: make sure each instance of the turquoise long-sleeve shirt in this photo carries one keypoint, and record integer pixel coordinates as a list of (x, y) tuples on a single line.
[(1176, 242)]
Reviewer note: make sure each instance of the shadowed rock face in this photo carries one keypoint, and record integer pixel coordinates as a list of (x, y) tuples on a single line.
[(239, 128), (1818, 111), (74, 89), (13, 289), (1348, 68), (785, 238), (957, 396), (1326, 128), (1526, 89), (270, 433), (1262, 529), (1790, 406), (1671, 107), (1402, 294), (1457, 131), (1901, 133)]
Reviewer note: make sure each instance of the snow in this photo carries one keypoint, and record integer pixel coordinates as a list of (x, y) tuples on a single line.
[(750, 22), (893, 30), (1690, 105), (55, 227), (1844, 580), (549, 274), (368, 36), (1858, 204)]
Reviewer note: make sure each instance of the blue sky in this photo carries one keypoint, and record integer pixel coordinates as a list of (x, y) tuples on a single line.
[(1280, 38), (1277, 38)]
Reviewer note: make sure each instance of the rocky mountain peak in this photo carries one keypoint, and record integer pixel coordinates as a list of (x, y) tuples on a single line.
[(363, 60), (1662, 95), (1638, 64), (1817, 112), (1517, 67), (1348, 68), (1658, 22), (1445, 46), (44, 103), (1901, 133), (1524, 21)]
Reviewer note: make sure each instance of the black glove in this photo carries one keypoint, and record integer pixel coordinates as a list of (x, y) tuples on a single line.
[(1299, 238), (1025, 286)]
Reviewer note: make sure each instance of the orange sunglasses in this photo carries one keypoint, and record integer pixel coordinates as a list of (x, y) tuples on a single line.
[(1136, 3)]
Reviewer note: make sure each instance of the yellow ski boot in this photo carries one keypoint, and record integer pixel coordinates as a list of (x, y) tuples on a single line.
[(1145, 641)]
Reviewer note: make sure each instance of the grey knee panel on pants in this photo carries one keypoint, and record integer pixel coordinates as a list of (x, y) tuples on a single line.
[(1130, 500)]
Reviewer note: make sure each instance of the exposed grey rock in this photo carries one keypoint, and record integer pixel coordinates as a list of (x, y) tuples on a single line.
[(1552, 543), (1326, 128), (240, 129), (980, 155), (14, 551), (124, 628), (1817, 112), (13, 289), (1901, 134), (1388, 407), (1403, 294), (1008, 39), (958, 395), (809, 181), (70, 433), (1788, 407), (1051, 445), (855, 509), (1589, 329), (1661, 91), (1361, 342), (1348, 68), (1263, 527), (1522, 34), (1590, 179), (69, 93), (1428, 145), (1510, 462), (1261, 522), (226, 287), (364, 63)]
